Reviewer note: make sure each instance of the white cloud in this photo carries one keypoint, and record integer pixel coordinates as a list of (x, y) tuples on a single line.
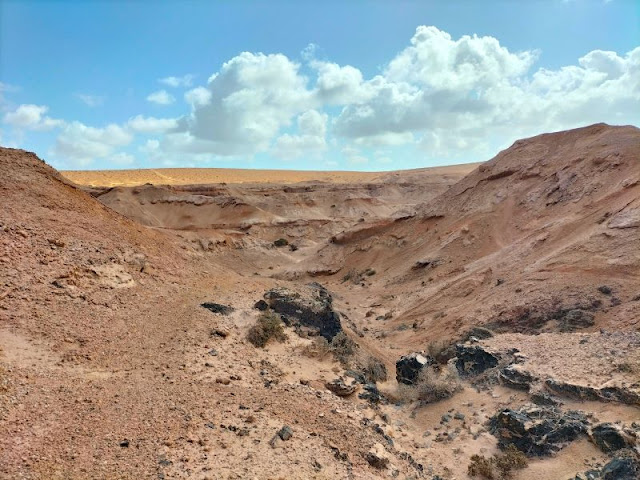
[(90, 100), (175, 82), (251, 98), (31, 117), (81, 144), (161, 97), (143, 124), (441, 89), (312, 128), (198, 97)]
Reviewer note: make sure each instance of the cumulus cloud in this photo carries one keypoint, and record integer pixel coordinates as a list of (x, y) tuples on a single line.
[(250, 99), (439, 97), (31, 117), (439, 88), (312, 128), (198, 96), (82, 144), (161, 97), (143, 124), (175, 82)]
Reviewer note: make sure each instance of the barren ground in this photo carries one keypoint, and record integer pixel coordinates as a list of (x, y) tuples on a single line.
[(111, 368)]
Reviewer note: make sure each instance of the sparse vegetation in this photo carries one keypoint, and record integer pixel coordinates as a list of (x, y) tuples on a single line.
[(498, 467), (438, 349), (319, 348), (432, 386), (343, 347), (268, 326), (281, 242), (372, 369)]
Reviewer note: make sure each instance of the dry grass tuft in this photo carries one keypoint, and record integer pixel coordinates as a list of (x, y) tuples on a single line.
[(268, 326), (498, 467)]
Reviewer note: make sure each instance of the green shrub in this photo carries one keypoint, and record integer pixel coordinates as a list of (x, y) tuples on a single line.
[(268, 326), (281, 242)]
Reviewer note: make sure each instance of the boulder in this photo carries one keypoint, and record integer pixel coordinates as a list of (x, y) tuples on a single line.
[(535, 430), (473, 360), (610, 437), (309, 311), (261, 305), (408, 368)]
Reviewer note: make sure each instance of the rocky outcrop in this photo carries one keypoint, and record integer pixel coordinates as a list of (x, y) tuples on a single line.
[(535, 430), (310, 312), (619, 468), (408, 368), (610, 437), (606, 394), (515, 377), (473, 360)]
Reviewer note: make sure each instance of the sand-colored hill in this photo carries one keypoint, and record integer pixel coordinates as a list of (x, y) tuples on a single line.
[(193, 176), (521, 277)]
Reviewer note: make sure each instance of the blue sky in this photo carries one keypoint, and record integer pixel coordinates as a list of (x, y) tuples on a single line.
[(308, 85)]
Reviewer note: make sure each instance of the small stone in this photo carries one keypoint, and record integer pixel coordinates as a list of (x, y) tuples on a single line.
[(285, 433), (377, 457)]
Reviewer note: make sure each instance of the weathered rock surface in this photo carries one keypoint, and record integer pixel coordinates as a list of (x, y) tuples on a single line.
[(629, 395), (537, 431), (515, 377), (311, 312), (472, 360), (619, 468), (610, 437), (408, 368)]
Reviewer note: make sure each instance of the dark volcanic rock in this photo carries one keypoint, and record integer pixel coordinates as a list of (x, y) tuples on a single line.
[(610, 438), (311, 313), (261, 305), (619, 468), (372, 394), (513, 377), (473, 360), (537, 430), (605, 394), (217, 308), (408, 368), (544, 399)]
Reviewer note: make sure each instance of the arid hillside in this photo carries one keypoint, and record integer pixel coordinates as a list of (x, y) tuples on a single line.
[(457, 323)]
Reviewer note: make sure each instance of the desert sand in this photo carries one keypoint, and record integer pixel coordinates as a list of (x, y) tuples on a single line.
[(516, 279)]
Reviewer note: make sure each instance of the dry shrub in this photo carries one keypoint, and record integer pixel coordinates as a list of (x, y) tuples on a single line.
[(318, 348), (498, 467), (432, 386), (268, 326), (343, 347), (373, 369)]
